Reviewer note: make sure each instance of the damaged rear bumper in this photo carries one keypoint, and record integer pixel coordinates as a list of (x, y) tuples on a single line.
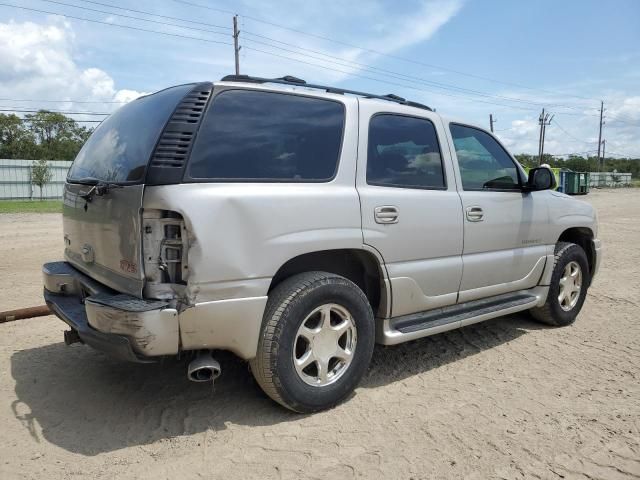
[(120, 325), (135, 329)]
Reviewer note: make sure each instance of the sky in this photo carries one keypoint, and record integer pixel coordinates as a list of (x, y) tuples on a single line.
[(465, 58)]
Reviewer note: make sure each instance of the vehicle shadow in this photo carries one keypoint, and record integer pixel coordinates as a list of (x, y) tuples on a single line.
[(86, 403)]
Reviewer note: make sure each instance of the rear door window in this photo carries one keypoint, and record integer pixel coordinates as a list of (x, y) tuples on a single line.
[(264, 136), (404, 152)]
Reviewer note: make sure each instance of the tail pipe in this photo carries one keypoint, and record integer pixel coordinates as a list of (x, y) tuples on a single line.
[(204, 368)]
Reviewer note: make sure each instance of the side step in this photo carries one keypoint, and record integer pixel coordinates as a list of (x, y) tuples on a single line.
[(416, 325)]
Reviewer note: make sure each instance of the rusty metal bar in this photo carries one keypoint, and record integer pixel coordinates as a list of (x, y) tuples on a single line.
[(22, 313)]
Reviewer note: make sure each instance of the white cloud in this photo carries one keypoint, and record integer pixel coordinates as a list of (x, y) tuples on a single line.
[(369, 25), (37, 62), (41, 61), (575, 129)]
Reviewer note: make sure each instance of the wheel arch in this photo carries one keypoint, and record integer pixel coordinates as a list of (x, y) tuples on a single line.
[(583, 237), (360, 266)]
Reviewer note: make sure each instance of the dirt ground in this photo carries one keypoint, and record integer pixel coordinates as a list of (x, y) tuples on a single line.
[(501, 399)]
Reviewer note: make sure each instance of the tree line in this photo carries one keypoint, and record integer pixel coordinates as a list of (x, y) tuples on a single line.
[(578, 163), (53, 136), (41, 136)]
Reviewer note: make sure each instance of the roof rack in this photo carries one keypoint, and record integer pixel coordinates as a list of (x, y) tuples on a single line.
[(298, 82)]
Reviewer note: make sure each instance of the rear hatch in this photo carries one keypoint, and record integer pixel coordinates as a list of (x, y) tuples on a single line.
[(103, 194)]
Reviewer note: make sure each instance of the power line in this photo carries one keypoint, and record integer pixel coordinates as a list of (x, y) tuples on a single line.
[(572, 136), (623, 119), (377, 52), (393, 74), (625, 155), (571, 153), (57, 101), (382, 81), (154, 14), (369, 67), (136, 18), (385, 81), (221, 10), (114, 24), (612, 119), (389, 73), (9, 109), (68, 120), (582, 114)]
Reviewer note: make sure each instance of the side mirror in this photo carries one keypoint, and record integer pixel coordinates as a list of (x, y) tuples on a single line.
[(541, 178)]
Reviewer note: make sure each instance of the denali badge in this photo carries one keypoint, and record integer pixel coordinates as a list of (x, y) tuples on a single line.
[(127, 266)]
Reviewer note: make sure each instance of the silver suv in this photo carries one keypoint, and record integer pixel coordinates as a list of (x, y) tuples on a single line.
[(295, 225)]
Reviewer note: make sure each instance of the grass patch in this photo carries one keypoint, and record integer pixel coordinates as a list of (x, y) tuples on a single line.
[(30, 206)]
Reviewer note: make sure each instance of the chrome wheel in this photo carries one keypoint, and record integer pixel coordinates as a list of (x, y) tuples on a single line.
[(570, 286), (324, 345)]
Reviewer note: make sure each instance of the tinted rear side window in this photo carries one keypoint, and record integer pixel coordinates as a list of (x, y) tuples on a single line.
[(403, 152), (263, 136), (120, 147)]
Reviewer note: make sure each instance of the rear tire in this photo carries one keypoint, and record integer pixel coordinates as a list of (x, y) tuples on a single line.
[(316, 342), (568, 289)]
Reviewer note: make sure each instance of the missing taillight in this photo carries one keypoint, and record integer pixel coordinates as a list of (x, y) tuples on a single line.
[(165, 248), (172, 231)]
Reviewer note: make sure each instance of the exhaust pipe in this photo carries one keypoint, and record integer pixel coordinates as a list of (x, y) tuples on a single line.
[(204, 368)]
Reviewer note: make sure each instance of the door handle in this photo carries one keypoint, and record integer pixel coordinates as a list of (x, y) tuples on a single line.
[(386, 214), (475, 214)]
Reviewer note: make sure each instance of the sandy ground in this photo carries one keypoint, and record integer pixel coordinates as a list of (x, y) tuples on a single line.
[(503, 399)]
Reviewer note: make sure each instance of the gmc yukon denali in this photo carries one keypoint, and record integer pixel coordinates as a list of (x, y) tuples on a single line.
[(296, 225)]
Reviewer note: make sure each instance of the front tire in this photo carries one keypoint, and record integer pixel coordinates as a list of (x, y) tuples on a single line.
[(316, 342), (568, 289)]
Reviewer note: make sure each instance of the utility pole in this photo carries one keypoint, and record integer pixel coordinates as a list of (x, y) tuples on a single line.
[(236, 48), (600, 130), (491, 121), (543, 120), (544, 132), (540, 122), (604, 142)]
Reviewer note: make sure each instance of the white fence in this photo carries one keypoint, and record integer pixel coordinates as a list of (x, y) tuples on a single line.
[(15, 180), (609, 179)]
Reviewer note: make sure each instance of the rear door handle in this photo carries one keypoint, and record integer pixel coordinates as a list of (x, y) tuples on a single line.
[(475, 214), (386, 214)]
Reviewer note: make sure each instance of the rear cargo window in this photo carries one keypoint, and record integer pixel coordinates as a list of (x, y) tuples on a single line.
[(120, 148), (263, 136)]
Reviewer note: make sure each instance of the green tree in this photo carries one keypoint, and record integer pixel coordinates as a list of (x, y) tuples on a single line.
[(57, 137), (16, 140), (41, 174), (42, 135), (579, 163)]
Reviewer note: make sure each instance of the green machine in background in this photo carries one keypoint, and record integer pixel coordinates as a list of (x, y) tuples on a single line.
[(574, 183), (569, 182)]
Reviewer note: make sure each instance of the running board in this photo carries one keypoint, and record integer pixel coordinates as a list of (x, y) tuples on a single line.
[(396, 330)]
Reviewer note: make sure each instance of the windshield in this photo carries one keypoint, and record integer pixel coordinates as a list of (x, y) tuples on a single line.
[(120, 147)]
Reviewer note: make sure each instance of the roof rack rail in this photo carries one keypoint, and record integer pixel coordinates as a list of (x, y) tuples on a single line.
[(298, 82)]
